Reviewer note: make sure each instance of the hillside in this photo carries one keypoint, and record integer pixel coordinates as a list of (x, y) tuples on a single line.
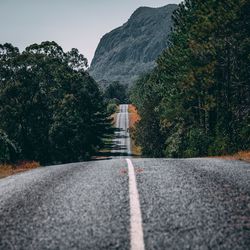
[(130, 50)]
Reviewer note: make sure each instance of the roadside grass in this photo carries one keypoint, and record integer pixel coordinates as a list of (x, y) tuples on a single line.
[(114, 117), (241, 156), (133, 118), (11, 169)]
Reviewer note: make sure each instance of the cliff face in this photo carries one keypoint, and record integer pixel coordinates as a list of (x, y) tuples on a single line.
[(130, 50)]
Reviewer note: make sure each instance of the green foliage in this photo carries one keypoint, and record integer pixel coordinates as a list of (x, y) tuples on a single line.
[(220, 145), (148, 132), (111, 108), (117, 91), (49, 105), (196, 143), (199, 93), (174, 142), (8, 149)]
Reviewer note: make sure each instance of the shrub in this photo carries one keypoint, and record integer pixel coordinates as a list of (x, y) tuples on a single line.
[(111, 108), (8, 149), (196, 143)]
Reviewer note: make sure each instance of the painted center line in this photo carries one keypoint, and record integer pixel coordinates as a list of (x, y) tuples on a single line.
[(136, 230)]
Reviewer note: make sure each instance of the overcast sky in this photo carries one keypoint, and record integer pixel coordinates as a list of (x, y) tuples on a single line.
[(70, 23)]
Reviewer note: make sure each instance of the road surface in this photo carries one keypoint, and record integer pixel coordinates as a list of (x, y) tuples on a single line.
[(122, 144), (128, 203)]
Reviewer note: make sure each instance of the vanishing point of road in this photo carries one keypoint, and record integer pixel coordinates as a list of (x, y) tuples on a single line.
[(128, 203)]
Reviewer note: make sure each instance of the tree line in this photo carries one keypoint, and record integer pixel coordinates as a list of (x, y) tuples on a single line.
[(115, 94), (51, 110), (196, 101)]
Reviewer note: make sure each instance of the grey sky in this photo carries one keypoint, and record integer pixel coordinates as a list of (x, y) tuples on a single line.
[(71, 23)]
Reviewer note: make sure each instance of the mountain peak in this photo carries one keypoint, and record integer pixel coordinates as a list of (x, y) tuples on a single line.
[(130, 50), (150, 10)]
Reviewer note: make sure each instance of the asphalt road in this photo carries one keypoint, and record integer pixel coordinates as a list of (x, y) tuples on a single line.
[(122, 145), (118, 204)]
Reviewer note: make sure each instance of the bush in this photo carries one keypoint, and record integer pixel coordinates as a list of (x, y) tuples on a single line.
[(116, 91), (220, 146), (196, 143), (111, 108), (8, 149)]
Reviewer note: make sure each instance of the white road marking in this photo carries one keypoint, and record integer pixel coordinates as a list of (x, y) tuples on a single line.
[(136, 230)]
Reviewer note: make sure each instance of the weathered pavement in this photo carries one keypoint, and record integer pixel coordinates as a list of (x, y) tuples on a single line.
[(184, 204)]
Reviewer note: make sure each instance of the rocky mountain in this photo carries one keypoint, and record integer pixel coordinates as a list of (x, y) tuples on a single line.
[(130, 50)]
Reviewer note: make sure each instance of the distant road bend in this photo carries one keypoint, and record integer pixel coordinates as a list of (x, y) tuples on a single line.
[(128, 203)]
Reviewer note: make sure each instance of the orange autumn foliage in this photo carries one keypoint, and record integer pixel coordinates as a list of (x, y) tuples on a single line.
[(8, 169)]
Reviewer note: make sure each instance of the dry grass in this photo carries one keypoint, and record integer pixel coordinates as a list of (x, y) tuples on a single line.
[(8, 169), (114, 117), (133, 115), (242, 156), (133, 118)]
